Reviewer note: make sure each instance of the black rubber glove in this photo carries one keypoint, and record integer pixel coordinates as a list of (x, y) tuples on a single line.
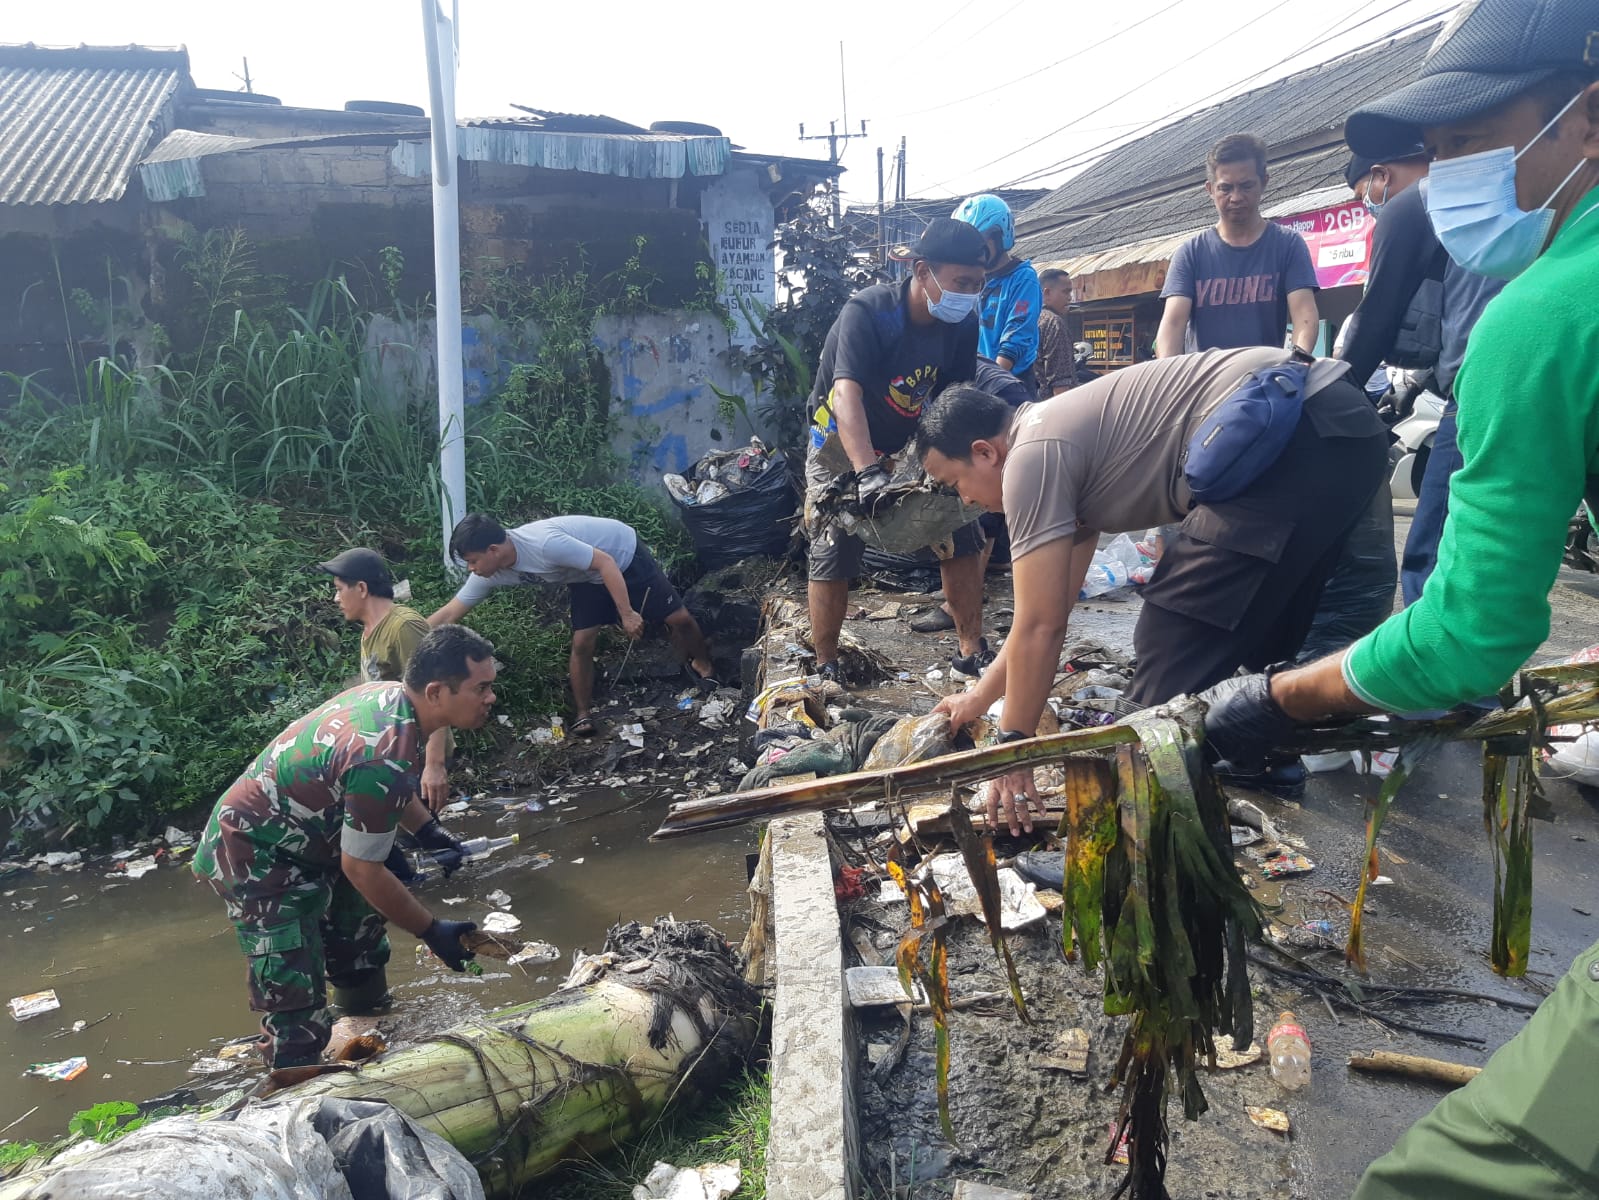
[(444, 939), (399, 865), (1243, 724), (436, 840), (869, 485)]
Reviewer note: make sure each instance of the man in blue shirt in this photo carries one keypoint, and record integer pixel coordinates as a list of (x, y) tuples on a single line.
[(1012, 296), (1238, 284)]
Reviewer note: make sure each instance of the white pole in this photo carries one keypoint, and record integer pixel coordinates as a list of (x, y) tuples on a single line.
[(439, 37)]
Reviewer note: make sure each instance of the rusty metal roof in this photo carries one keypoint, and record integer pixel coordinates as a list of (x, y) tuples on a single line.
[(74, 122)]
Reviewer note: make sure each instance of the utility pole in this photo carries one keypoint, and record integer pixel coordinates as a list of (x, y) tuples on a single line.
[(899, 195), (245, 78), (882, 233), (833, 137)]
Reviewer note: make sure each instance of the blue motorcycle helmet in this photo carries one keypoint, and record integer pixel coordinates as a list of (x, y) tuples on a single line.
[(988, 214)]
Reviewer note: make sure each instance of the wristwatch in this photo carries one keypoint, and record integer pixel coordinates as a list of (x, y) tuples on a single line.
[(1012, 735)]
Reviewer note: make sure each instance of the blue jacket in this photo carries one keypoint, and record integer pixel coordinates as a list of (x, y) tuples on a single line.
[(1010, 317)]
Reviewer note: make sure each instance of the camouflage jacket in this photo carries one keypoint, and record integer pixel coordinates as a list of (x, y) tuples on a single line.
[(337, 779)]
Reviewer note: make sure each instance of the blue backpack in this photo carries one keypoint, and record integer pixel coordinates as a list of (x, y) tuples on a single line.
[(1247, 433)]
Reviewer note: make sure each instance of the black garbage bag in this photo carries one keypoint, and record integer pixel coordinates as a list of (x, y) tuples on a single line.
[(753, 513)]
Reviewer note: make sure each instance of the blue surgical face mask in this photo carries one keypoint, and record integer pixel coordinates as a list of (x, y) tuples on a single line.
[(1374, 207), (1472, 203), (953, 307)]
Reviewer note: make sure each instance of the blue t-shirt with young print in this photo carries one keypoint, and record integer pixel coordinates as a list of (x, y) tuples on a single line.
[(1239, 293)]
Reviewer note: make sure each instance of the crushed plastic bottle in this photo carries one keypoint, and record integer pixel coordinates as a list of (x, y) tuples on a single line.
[(1290, 1053)]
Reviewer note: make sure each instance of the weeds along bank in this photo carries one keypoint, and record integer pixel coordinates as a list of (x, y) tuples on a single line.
[(158, 620)]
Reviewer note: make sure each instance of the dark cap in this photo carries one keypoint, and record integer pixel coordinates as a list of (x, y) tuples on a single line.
[(946, 240), (1489, 52), (1361, 164), (360, 565)]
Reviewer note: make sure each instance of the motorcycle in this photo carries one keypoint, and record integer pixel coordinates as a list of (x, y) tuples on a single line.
[(1582, 543), (1413, 412)]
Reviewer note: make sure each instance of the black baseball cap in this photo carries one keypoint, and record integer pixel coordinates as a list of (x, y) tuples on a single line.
[(360, 565), (1361, 164), (946, 240), (1489, 52)]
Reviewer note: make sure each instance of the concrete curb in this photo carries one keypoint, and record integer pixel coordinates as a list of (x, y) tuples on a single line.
[(814, 1145)]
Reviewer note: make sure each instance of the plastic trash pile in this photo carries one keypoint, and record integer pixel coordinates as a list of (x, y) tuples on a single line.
[(1123, 563), (721, 473)]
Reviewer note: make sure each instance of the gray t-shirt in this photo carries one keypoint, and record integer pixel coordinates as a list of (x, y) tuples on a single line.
[(557, 550), (1466, 294), (1107, 457), (1240, 293)]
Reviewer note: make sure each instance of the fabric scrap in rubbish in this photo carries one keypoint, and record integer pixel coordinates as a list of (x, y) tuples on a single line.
[(714, 1181)]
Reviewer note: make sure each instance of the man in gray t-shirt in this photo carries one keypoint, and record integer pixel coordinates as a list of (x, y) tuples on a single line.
[(610, 575), (1239, 586), (1239, 283)]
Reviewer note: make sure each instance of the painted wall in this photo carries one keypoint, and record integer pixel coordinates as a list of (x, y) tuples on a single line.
[(662, 369), (738, 216)]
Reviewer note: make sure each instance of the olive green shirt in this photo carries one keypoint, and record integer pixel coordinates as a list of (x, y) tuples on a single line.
[(388, 646)]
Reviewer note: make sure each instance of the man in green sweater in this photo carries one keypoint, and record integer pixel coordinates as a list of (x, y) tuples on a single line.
[(1508, 104)]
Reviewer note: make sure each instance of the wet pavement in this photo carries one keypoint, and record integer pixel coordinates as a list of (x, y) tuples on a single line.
[(156, 957)]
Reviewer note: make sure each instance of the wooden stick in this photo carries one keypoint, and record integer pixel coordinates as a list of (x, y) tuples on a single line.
[(918, 779), (1414, 1066)]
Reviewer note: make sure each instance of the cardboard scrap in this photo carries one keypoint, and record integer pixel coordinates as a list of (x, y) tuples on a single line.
[(1228, 1059), (59, 1072), (1069, 1053), (874, 987), (34, 1004)]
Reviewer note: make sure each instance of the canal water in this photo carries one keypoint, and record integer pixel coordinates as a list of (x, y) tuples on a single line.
[(151, 965)]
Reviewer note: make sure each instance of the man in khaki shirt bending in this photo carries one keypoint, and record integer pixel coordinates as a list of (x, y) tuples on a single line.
[(1237, 587)]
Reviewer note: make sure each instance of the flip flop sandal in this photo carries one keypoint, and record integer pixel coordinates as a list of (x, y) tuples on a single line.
[(584, 727)]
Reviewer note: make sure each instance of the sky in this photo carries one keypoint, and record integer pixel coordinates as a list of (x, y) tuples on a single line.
[(987, 93)]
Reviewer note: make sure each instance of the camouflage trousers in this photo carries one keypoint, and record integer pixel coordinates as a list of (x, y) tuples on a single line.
[(320, 932)]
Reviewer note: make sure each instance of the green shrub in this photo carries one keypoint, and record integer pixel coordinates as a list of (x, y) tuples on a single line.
[(159, 620)]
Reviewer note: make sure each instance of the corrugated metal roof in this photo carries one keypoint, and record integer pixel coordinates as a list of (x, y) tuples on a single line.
[(1163, 246), (75, 122), (1313, 100), (629, 156), (1184, 208)]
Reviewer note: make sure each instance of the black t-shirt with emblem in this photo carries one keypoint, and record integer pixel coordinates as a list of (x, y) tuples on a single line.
[(898, 363)]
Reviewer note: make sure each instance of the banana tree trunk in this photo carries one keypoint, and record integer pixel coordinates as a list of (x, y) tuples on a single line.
[(660, 1017)]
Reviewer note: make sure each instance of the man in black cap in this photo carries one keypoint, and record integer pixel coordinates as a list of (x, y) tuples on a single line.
[(390, 634), (1508, 104), (891, 349)]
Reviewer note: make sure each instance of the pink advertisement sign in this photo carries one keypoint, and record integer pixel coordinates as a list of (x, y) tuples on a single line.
[(1340, 242)]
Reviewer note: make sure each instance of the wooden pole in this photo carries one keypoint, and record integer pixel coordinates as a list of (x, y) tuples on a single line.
[(919, 779), (1413, 1066)]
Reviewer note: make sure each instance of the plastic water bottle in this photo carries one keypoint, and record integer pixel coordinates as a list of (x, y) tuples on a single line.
[(1290, 1053), (482, 847)]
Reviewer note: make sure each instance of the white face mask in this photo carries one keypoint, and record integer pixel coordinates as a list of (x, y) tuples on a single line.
[(953, 307), (1472, 203)]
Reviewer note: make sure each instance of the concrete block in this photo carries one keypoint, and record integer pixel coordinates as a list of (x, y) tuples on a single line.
[(224, 169), (813, 1151), (359, 172), (292, 167)]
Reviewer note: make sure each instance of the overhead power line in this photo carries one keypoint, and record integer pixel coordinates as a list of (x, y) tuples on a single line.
[(1081, 157)]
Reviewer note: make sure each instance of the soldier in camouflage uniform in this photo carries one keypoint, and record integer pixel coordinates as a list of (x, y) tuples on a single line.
[(296, 846)]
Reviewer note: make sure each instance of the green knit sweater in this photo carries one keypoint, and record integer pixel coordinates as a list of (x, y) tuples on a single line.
[(1529, 434)]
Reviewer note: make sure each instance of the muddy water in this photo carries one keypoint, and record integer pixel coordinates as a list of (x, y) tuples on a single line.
[(156, 957)]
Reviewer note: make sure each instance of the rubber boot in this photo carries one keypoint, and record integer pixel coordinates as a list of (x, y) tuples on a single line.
[(363, 993)]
